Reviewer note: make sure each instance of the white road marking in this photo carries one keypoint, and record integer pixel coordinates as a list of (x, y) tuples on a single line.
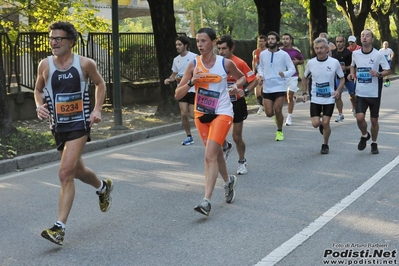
[(287, 247)]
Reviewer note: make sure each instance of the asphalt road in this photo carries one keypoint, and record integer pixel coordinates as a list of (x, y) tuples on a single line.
[(294, 207)]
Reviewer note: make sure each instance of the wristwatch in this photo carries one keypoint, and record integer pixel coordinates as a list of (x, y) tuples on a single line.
[(246, 91), (379, 75), (190, 83)]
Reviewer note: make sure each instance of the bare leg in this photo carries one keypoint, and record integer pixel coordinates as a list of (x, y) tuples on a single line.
[(237, 137), (214, 162), (184, 110), (72, 166), (374, 128)]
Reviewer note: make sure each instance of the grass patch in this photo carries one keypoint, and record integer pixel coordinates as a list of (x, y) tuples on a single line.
[(25, 141)]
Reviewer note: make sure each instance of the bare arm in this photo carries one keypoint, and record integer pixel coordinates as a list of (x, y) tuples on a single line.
[(90, 71), (171, 78), (42, 73), (183, 88)]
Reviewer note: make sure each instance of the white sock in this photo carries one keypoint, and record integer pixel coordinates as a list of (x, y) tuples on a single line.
[(102, 187), (208, 200), (60, 224), (289, 115), (365, 136)]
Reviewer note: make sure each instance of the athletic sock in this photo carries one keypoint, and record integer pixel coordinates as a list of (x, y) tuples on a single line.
[(101, 189), (60, 224), (242, 161)]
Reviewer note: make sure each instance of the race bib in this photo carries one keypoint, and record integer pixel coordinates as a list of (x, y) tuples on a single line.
[(363, 75), (69, 107), (323, 90), (207, 101)]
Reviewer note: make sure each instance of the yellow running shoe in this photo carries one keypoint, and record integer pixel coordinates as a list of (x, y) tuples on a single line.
[(55, 234), (105, 199)]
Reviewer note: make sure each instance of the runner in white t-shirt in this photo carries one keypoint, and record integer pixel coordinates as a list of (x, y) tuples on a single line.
[(368, 66), (274, 68), (323, 70), (389, 54), (186, 104)]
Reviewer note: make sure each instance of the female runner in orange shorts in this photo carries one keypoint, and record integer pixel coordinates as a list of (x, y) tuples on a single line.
[(213, 110)]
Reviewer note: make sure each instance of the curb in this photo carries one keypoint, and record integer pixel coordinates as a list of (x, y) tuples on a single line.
[(31, 160)]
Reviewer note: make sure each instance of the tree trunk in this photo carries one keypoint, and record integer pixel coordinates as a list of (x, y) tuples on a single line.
[(318, 21), (356, 14), (163, 24), (5, 114), (382, 19), (395, 10), (269, 16)]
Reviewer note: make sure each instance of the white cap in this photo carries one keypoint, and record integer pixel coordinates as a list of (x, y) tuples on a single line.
[(352, 39)]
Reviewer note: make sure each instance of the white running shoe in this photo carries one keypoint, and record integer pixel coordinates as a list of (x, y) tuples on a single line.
[(288, 121), (260, 110), (242, 168), (340, 118)]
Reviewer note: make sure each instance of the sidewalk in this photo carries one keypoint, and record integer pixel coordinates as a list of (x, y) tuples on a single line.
[(34, 159)]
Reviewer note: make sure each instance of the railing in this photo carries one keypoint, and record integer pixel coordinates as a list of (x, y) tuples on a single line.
[(138, 59), (6, 60), (30, 49)]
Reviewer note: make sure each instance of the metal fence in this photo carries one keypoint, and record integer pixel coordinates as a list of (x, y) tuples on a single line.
[(30, 49), (137, 53), (6, 60)]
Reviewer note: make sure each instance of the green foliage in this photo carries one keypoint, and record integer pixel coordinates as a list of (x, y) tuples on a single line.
[(235, 17), (142, 24), (25, 141), (294, 18), (39, 14), (138, 59)]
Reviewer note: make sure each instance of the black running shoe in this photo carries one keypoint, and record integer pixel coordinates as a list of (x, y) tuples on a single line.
[(325, 149), (374, 148), (363, 142)]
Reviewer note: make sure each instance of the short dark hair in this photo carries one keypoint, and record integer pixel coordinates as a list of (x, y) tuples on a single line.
[(68, 27), (226, 39), (263, 37), (275, 34), (209, 31), (184, 40)]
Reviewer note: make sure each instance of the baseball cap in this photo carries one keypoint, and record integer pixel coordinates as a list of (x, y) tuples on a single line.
[(352, 39)]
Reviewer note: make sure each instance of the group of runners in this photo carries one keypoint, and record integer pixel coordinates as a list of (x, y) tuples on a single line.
[(212, 89)]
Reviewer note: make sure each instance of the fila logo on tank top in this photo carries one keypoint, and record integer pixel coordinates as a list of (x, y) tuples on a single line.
[(67, 96)]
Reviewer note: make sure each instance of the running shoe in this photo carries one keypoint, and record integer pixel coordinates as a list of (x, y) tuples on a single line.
[(275, 119), (340, 118), (363, 142), (260, 110), (324, 149), (242, 168), (353, 110), (229, 193), (55, 234), (387, 83), (105, 199), (204, 207), (374, 148), (279, 136), (288, 121), (226, 151), (188, 141), (321, 129)]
